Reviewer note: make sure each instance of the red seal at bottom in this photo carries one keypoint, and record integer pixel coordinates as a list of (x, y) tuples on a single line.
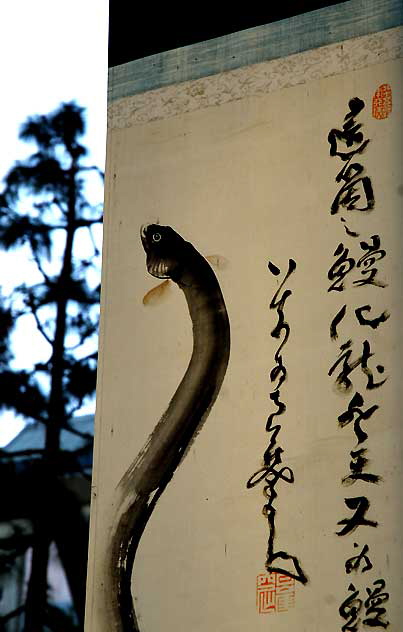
[(275, 592)]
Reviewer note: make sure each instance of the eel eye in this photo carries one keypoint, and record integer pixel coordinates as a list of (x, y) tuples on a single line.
[(156, 237)]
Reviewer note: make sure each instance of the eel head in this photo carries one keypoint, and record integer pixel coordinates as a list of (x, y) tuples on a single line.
[(165, 251)]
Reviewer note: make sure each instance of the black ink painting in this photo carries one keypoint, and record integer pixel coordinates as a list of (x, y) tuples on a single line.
[(169, 256), (273, 472)]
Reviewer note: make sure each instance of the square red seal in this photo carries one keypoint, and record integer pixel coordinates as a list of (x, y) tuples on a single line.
[(275, 592)]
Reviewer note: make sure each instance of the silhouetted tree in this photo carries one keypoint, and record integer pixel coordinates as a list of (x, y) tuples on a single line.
[(44, 207)]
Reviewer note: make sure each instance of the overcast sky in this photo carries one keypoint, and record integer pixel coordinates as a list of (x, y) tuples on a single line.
[(51, 51)]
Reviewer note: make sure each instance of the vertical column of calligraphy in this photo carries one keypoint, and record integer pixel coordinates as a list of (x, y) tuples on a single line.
[(364, 603)]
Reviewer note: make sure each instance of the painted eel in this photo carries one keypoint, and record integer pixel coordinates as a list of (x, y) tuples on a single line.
[(168, 256)]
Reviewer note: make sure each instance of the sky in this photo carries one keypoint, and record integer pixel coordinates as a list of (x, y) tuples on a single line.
[(51, 51)]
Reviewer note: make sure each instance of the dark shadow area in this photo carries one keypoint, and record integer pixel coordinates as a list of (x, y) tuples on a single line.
[(136, 32)]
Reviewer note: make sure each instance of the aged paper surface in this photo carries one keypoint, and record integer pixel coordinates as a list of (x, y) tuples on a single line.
[(253, 181)]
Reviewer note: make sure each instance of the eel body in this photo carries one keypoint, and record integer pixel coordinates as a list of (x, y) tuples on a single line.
[(169, 256)]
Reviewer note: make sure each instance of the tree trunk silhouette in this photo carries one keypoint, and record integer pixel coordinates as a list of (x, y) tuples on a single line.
[(44, 195), (71, 538)]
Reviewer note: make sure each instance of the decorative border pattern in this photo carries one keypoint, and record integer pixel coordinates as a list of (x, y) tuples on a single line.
[(256, 79), (329, 25)]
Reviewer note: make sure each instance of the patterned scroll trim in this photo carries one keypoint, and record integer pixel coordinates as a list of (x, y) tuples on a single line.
[(257, 79)]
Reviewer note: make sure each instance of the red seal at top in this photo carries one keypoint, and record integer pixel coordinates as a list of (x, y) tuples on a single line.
[(382, 102)]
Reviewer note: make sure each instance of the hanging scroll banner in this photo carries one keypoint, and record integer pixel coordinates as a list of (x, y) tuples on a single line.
[(264, 488)]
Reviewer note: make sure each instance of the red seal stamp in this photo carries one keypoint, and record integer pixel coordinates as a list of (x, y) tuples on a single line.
[(382, 102), (275, 592)]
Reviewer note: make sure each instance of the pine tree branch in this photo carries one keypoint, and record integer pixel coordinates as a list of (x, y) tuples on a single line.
[(18, 453), (85, 223), (40, 326), (82, 339), (39, 266), (76, 346), (78, 433), (73, 410), (93, 168), (10, 615), (94, 245)]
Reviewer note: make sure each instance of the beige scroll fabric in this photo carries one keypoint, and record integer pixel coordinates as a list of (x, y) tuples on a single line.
[(297, 197)]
